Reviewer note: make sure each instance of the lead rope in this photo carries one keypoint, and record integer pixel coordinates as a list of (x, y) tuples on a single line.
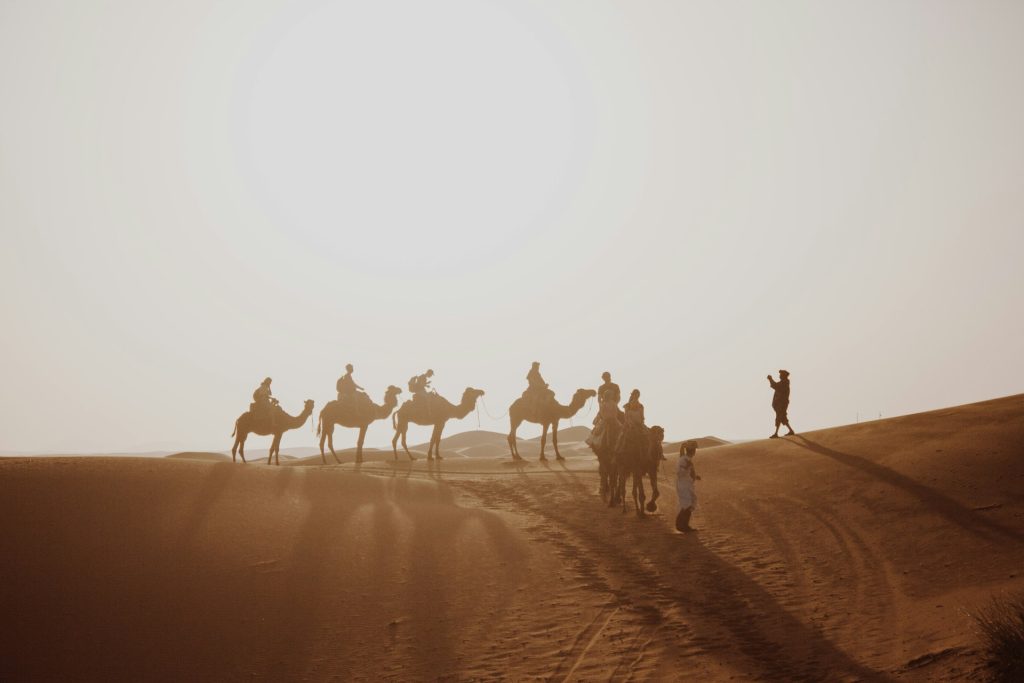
[(486, 410), (590, 402)]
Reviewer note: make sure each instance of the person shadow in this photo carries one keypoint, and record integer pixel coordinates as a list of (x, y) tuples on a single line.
[(679, 584), (941, 504)]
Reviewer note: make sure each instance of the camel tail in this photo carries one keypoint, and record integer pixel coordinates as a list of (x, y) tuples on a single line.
[(394, 420), (319, 422), (235, 430)]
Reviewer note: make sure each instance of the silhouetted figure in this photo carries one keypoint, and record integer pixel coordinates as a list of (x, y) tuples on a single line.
[(608, 397), (609, 391), (248, 423), (358, 416), (686, 475), (346, 385), (545, 413), (780, 403), (638, 457), (419, 385), (537, 391), (431, 410), (634, 409), (263, 402)]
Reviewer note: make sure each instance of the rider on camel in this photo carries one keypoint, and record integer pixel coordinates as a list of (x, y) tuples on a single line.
[(634, 409), (608, 397), (347, 387), (537, 388), (419, 385), (264, 401)]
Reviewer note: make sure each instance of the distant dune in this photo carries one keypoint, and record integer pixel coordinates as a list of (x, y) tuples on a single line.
[(200, 455), (854, 553)]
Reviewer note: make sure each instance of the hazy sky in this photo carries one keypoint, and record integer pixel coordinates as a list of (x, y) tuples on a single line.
[(195, 195)]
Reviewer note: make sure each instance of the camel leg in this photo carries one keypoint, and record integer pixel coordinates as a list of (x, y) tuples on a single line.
[(359, 444), (394, 443), (323, 437), (330, 442), (405, 446), (512, 446), (653, 505), (435, 442), (275, 450), (554, 440), (240, 445), (543, 440)]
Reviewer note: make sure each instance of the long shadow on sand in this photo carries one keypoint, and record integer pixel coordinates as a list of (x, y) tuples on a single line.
[(722, 607), (940, 503), (407, 556)]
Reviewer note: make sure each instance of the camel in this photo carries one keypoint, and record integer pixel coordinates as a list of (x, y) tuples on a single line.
[(247, 423), (357, 416), (640, 457), (606, 461), (546, 413), (427, 410)]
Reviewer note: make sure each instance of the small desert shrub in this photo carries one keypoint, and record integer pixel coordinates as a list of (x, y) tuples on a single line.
[(1002, 634)]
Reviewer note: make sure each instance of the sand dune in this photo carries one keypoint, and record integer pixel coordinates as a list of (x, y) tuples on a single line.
[(849, 553)]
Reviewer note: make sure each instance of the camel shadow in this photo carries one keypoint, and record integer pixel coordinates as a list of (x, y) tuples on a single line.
[(949, 509), (674, 580)]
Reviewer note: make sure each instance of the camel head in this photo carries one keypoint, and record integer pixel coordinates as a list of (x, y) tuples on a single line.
[(657, 434), (392, 391), (470, 395), (582, 395), (307, 406)]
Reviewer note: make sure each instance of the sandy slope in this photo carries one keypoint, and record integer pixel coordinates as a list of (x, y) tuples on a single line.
[(850, 553)]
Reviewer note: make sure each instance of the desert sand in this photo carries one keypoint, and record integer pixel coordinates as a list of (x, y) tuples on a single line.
[(853, 553)]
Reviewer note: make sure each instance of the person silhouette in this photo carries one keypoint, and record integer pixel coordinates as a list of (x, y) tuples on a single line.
[(609, 390), (780, 403), (419, 385), (346, 385), (686, 475), (537, 389), (264, 401), (608, 397), (634, 409)]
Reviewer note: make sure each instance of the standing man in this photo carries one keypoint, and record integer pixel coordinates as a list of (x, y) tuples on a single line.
[(780, 402), (686, 475)]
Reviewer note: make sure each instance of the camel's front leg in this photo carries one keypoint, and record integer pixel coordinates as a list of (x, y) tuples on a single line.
[(323, 438), (655, 494), (543, 440), (359, 444), (275, 450), (239, 446), (554, 440), (405, 446)]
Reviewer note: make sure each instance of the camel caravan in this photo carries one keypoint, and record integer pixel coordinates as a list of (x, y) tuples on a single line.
[(625, 447)]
